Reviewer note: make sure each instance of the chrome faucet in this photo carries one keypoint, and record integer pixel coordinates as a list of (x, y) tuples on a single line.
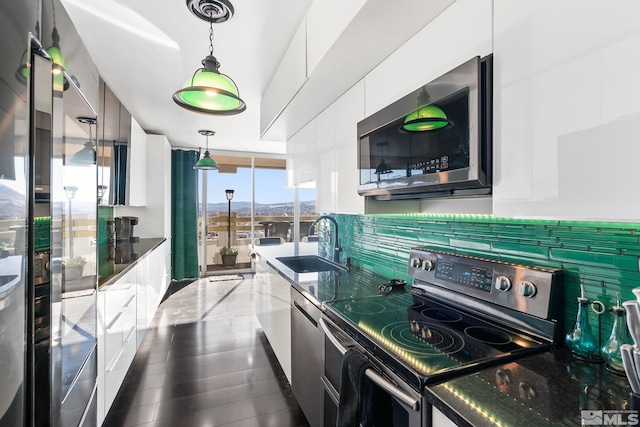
[(336, 243)]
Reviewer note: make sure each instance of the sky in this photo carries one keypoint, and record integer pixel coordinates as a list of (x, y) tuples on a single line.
[(271, 186)]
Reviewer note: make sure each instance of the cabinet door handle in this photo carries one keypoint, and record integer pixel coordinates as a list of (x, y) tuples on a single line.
[(131, 334), (133, 297), (114, 321), (114, 361)]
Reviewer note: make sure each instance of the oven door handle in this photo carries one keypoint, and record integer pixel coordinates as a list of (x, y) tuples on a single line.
[(376, 378)]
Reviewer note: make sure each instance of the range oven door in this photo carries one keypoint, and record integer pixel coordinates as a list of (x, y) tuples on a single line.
[(408, 408)]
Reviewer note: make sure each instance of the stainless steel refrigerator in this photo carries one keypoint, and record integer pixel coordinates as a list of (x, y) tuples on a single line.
[(48, 210)]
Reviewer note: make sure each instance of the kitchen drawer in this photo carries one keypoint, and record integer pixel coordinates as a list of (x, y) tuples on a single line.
[(118, 331), (119, 297)]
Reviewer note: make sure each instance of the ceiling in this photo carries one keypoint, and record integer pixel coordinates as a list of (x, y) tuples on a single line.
[(146, 49)]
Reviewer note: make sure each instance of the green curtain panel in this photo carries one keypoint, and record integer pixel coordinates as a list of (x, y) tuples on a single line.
[(120, 175), (184, 211)]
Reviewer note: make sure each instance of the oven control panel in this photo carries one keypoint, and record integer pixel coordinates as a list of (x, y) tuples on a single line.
[(524, 288)]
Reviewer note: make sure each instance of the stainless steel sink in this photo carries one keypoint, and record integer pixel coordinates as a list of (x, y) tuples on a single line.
[(309, 264)]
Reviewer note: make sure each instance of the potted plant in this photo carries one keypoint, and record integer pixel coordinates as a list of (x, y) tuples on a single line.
[(72, 268), (228, 255)]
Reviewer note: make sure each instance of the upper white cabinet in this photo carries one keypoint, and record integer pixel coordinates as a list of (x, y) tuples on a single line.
[(567, 116), (137, 166), (343, 42), (301, 156), (288, 79), (336, 146), (326, 20), (462, 31), (155, 215)]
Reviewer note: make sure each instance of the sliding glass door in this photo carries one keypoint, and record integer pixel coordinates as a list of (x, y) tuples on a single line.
[(260, 206)]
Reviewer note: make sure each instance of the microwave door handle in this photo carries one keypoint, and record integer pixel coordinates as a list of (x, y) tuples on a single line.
[(376, 378)]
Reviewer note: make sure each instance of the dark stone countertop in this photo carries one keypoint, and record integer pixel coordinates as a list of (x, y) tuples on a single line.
[(557, 386), (548, 389), (116, 258)]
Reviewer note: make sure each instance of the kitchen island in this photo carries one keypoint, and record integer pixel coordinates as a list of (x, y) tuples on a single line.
[(549, 388)]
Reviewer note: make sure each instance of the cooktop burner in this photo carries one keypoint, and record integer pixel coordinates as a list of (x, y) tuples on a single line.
[(441, 315), (364, 307), (458, 317), (488, 335), (413, 335)]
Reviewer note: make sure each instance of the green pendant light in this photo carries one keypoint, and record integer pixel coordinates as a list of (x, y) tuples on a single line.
[(426, 118), (86, 155), (60, 82), (382, 168), (208, 91), (22, 73), (206, 162)]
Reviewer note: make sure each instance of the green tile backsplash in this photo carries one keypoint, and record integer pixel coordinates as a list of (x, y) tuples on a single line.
[(603, 257)]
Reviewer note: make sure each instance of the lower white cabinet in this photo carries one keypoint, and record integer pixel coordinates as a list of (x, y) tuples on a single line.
[(273, 309), (125, 311)]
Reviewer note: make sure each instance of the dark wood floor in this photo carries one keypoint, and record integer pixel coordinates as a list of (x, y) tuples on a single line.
[(206, 362)]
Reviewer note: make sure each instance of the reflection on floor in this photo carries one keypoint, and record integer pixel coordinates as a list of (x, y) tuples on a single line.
[(206, 362)]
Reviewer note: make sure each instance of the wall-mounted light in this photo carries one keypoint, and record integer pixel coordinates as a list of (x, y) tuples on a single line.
[(206, 162), (208, 91)]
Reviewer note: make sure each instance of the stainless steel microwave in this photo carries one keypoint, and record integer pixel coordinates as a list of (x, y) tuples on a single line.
[(434, 142)]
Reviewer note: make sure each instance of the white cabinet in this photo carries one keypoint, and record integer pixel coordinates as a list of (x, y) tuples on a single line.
[(155, 216), (301, 156), (137, 166), (336, 152), (287, 80), (125, 311), (158, 277), (119, 333), (438, 419), (567, 120), (273, 310), (462, 31), (325, 25), (349, 111)]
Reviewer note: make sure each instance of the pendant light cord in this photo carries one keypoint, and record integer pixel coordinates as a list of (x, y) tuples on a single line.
[(53, 7), (211, 34)]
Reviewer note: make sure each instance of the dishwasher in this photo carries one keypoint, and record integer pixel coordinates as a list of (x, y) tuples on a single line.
[(307, 361)]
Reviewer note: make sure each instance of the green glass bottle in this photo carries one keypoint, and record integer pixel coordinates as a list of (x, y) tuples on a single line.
[(611, 349), (580, 339)]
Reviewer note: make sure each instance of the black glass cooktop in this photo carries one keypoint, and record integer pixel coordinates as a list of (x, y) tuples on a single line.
[(427, 340)]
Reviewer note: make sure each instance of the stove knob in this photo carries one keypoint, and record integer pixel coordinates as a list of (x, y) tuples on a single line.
[(526, 391), (503, 376), (527, 289), (503, 283), (427, 265), (415, 263)]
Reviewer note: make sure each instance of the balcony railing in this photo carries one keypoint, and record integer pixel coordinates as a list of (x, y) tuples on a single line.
[(264, 226)]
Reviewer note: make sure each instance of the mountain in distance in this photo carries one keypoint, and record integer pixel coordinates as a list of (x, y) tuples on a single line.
[(262, 209), (12, 203)]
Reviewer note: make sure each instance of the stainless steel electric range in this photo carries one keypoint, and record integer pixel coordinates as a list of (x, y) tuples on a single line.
[(460, 315)]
